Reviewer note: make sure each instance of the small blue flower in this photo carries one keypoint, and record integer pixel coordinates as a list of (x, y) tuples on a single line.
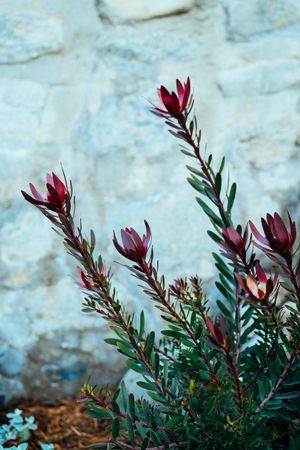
[(47, 447)]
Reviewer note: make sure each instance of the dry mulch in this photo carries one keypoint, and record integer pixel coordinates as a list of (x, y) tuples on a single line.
[(65, 424)]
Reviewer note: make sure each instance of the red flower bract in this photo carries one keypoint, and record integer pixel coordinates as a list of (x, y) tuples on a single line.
[(56, 196), (259, 287), (134, 247), (173, 104), (277, 239), (217, 336), (234, 244), (87, 282)]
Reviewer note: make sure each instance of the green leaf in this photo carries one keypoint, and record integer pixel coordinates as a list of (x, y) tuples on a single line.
[(194, 170), (131, 406), (204, 374), (170, 425), (226, 293), (142, 324), (187, 342), (291, 383), (149, 344), (281, 355), (245, 334), (130, 430), (196, 184), (294, 444), (87, 310), (225, 282), (123, 348), (191, 127), (114, 403), (147, 386), (286, 395), (92, 241), (156, 397), (112, 341), (145, 443), (246, 317), (137, 368), (141, 431), (218, 183), (214, 236), (165, 370), (222, 266), (209, 212), (155, 439), (175, 334), (156, 365), (222, 164), (99, 414), (262, 389), (115, 428), (231, 197), (224, 310), (124, 395)]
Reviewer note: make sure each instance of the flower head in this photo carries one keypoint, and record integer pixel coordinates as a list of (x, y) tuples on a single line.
[(278, 238), (217, 336), (234, 244), (173, 104), (135, 247), (57, 198), (259, 287)]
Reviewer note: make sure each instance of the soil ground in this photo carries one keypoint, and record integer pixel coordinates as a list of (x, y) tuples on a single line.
[(65, 424)]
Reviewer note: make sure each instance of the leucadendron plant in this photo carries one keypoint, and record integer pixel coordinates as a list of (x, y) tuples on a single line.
[(226, 382)]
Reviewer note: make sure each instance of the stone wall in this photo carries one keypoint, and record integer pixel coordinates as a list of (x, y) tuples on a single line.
[(75, 80)]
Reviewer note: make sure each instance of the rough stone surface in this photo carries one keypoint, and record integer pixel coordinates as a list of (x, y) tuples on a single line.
[(117, 12), (26, 35), (77, 93), (260, 78), (247, 19)]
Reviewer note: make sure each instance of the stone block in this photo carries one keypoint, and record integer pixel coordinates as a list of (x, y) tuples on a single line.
[(121, 11), (246, 19), (26, 35)]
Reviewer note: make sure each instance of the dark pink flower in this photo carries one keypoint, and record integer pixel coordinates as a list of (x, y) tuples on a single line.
[(134, 247), (233, 243), (277, 237), (88, 282), (217, 336), (56, 197), (173, 104), (259, 287)]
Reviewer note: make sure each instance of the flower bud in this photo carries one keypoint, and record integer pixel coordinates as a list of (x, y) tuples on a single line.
[(277, 237), (173, 104), (134, 247), (57, 198)]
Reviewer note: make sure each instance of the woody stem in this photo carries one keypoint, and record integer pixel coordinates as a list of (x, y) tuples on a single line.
[(225, 217)]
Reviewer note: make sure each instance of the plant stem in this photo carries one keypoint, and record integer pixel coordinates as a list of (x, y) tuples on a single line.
[(238, 334), (160, 292), (225, 217), (293, 278), (236, 382), (277, 386), (121, 414)]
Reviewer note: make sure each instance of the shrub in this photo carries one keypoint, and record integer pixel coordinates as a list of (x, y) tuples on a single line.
[(228, 382)]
